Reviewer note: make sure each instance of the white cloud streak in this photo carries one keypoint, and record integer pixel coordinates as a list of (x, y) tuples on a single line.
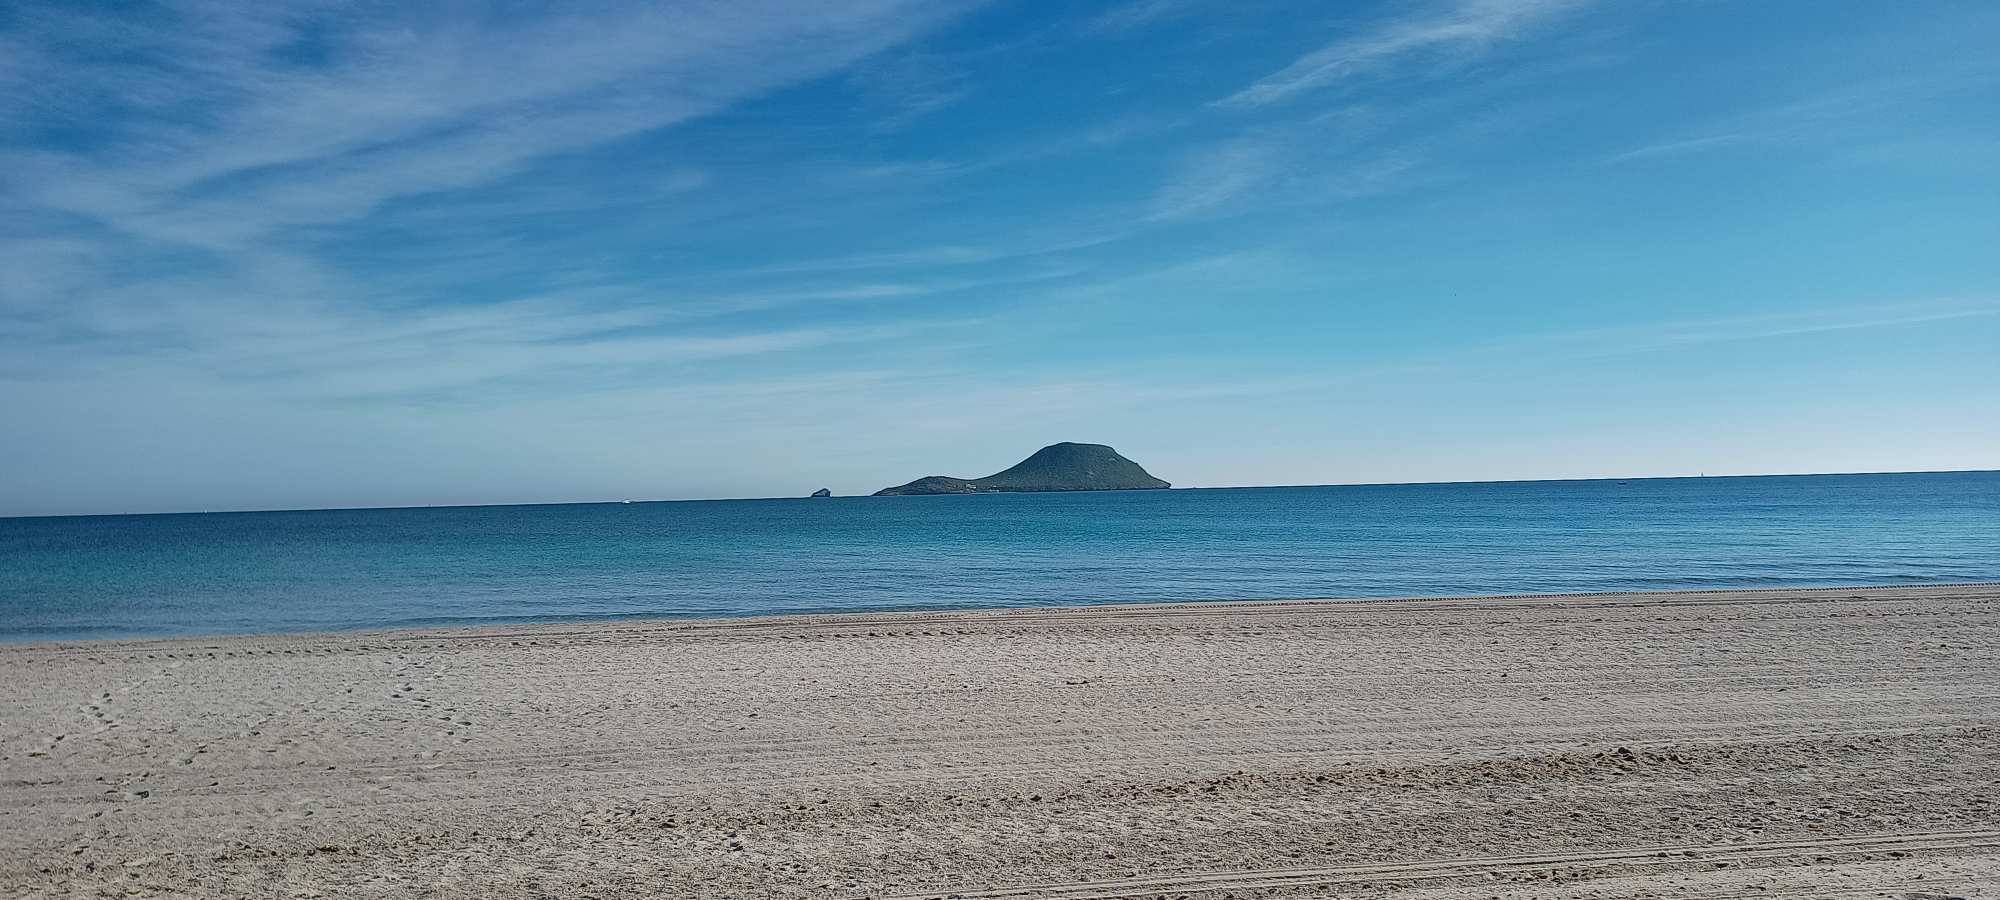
[(220, 141), (1215, 178), (1816, 119), (1649, 338), (1467, 28), (1136, 14), (217, 143)]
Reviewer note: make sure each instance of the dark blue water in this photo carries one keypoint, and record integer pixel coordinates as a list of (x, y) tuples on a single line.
[(101, 576)]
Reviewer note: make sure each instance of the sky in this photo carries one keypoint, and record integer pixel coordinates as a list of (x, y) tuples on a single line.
[(300, 254)]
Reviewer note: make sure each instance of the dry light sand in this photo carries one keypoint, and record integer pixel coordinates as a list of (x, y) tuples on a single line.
[(1841, 743)]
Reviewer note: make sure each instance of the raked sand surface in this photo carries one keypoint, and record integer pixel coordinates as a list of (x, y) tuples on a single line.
[(1789, 743)]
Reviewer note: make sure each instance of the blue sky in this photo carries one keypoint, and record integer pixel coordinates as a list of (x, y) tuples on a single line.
[(300, 254)]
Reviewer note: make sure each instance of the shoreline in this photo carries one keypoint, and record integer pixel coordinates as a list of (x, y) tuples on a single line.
[(1783, 741), (755, 619)]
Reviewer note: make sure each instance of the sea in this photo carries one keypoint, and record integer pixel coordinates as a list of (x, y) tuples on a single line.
[(74, 577)]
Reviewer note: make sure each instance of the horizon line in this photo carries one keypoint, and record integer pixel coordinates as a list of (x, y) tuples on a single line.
[(1210, 487)]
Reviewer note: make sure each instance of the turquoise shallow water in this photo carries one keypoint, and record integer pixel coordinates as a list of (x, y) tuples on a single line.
[(121, 576)]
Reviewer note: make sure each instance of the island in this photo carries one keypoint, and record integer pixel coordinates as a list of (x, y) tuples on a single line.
[(822, 492), (1057, 467)]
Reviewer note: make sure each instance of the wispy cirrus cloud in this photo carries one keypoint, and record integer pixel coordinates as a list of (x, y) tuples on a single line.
[(1136, 14), (1814, 117), (231, 121), (309, 345), (1273, 171), (181, 167), (1215, 177), (1331, 154), (905, 87), (1653, 337), (1466, 28)]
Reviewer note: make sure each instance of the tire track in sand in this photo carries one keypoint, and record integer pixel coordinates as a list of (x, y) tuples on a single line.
[(1623, 860)]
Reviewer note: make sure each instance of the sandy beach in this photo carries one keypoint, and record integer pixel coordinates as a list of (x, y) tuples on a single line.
[(1786, 743)]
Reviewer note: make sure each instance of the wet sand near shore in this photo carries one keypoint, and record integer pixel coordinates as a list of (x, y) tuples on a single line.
[(1784, 743)]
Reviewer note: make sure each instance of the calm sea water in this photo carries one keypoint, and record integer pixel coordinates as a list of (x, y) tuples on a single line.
[(106, 576)]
